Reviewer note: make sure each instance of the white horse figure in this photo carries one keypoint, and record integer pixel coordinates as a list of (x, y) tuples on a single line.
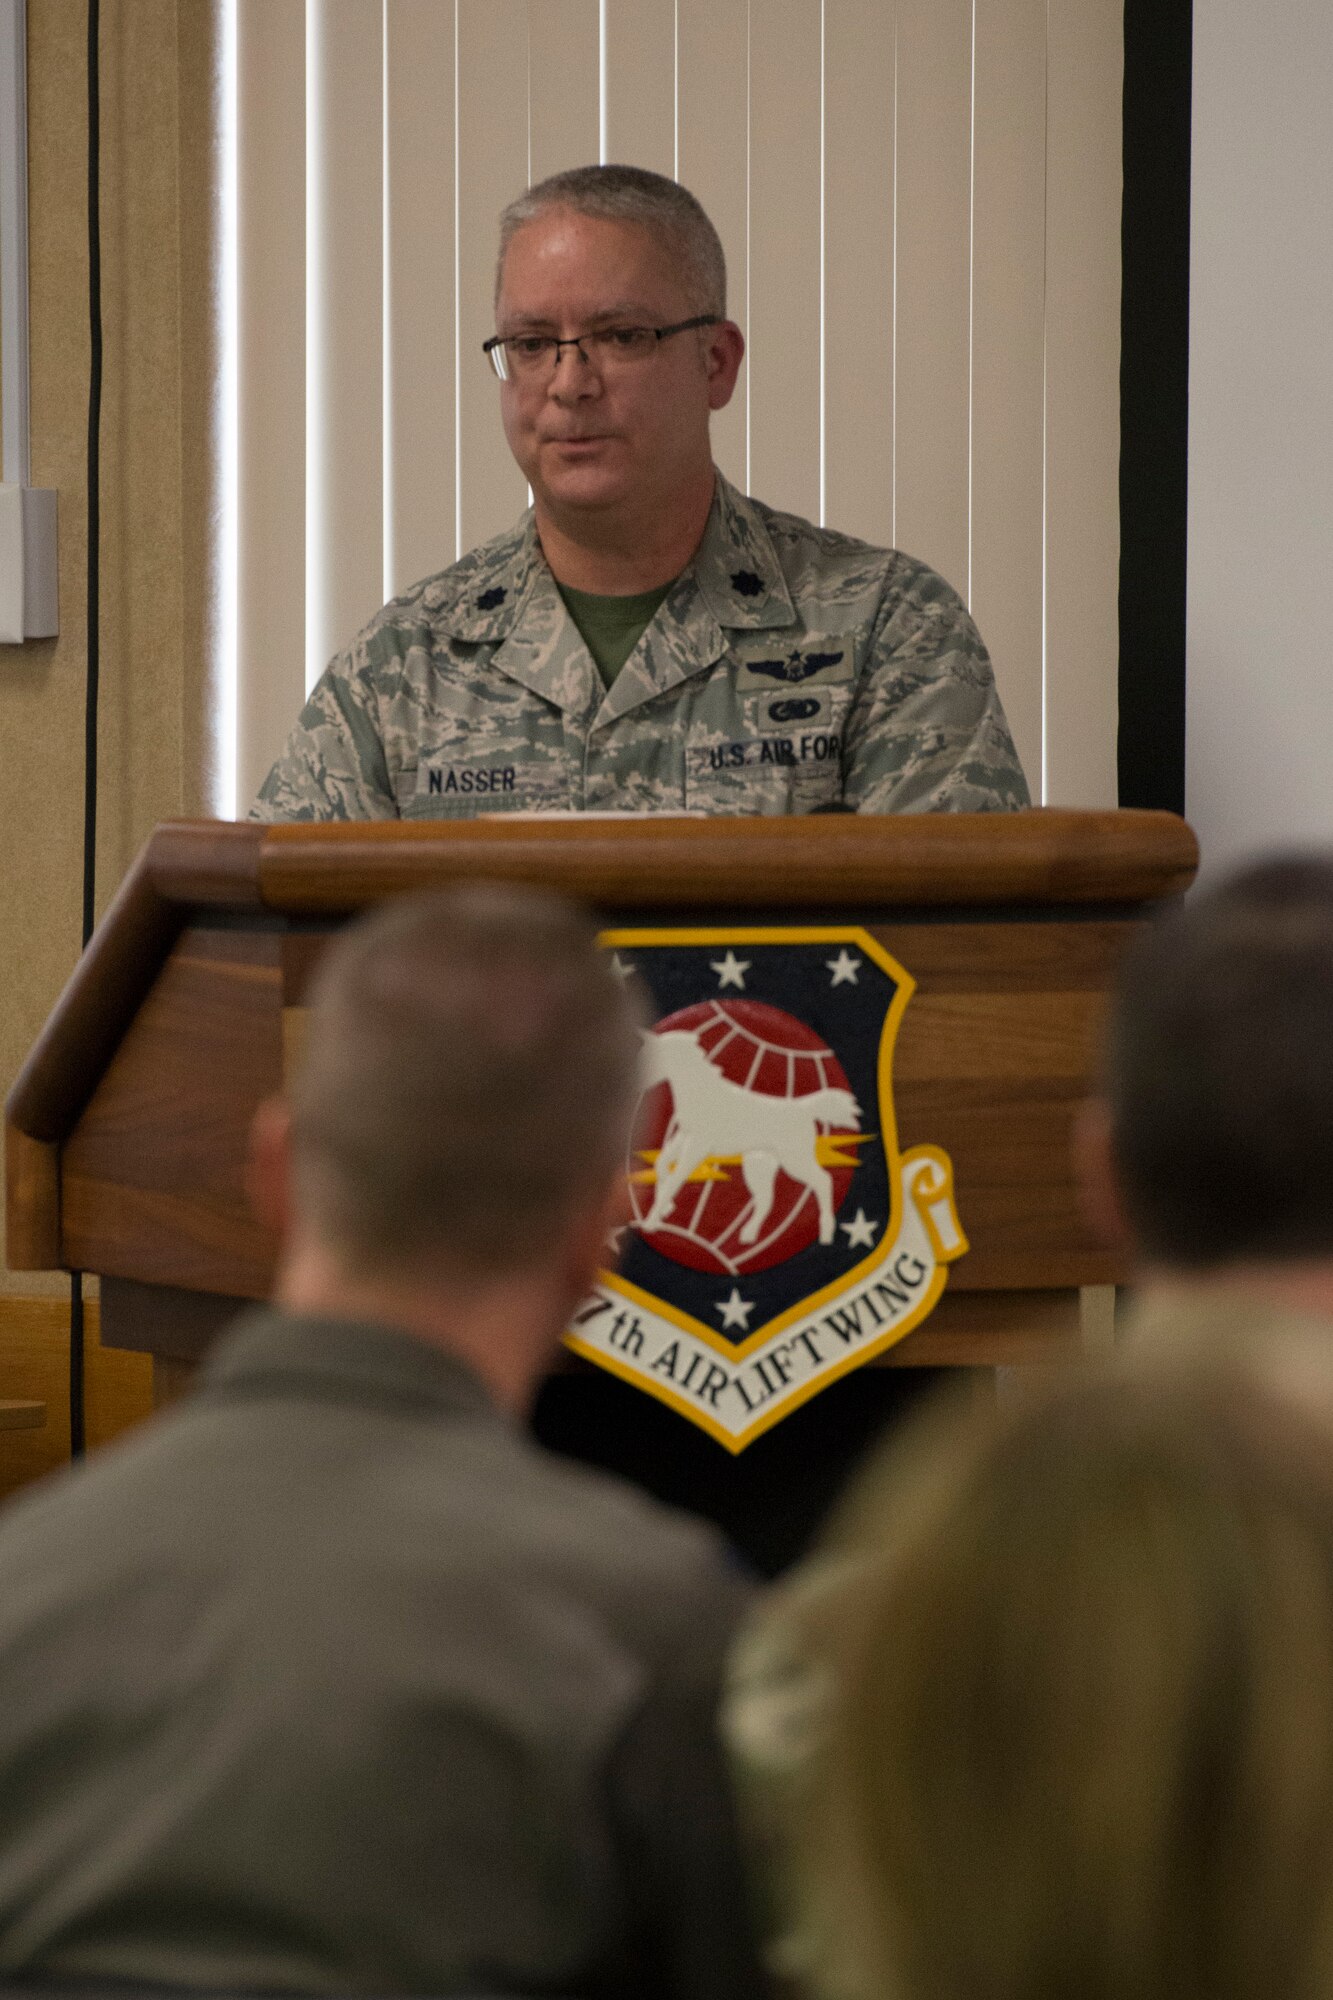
[(711, 1117)]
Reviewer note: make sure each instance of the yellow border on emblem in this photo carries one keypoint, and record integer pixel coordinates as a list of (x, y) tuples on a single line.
[(905, 988), (736, 1441)]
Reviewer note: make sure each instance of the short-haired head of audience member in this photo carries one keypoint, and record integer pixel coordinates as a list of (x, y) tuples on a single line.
[(1085, 1737), (452, 1157), (1212, 1152)]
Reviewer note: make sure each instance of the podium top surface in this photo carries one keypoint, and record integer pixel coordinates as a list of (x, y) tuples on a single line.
[(841, 860), (192, 871)]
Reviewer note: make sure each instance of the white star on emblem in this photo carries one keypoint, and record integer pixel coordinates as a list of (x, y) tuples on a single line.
[(614, 1239), (860, 1232), (619, 967), (731, 971), (736, 1311), (844, 968)]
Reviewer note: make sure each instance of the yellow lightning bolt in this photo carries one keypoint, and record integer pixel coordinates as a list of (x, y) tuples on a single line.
[(829, 1151)]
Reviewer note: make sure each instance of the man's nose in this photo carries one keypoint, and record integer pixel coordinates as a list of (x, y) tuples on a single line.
[(573, 378)]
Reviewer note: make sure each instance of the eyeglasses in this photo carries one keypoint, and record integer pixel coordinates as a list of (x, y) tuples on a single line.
[(529, 357)]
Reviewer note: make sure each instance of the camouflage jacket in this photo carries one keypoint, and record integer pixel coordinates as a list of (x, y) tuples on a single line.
[(788, 668), (780, 1698)]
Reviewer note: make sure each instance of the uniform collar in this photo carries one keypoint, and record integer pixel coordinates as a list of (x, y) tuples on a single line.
[(736, 570), (479, 600), (268, 1352), (505, 595), (734, 583)]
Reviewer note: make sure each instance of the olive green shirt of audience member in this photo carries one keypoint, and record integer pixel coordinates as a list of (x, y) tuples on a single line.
[(787, 668), (331, 1681)]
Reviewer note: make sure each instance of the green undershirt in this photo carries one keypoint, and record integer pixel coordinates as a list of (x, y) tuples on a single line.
[(611, 627)]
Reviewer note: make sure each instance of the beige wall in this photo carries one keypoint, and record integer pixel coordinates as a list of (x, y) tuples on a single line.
[(157, 261)]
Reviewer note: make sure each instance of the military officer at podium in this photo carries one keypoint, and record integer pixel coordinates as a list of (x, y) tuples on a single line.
[(646, 638)]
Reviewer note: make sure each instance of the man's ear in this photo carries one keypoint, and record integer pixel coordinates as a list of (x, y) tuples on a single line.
[(1097, 1178), (594, 1240), (724, 350), (268, 1166)]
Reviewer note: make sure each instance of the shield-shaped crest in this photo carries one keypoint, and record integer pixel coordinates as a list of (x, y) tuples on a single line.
[(779, 1237)]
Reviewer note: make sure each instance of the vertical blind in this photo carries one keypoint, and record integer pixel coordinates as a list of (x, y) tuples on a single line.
[(920, 205)]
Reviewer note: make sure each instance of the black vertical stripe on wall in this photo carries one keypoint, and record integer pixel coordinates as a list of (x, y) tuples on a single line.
[(1154, 401)]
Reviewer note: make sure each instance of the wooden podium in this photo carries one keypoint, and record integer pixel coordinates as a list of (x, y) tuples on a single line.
[(126, 1130)]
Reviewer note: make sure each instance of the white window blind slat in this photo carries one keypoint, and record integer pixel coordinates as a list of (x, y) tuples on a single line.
[(1008, 321), (564, 85), (934, 303), (859, 45), (345, 323), (785, 65), (712, 39), (420, 528), (492, 169), (640, 111)]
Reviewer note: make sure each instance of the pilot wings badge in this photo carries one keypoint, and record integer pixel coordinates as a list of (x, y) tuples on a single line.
[(779, 1238)]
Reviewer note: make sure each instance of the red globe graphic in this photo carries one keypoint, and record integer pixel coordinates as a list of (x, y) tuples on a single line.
[(766, 1054)]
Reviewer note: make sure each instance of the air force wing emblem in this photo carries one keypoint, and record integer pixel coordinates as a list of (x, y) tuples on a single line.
[(796, 666), (779, 1237)]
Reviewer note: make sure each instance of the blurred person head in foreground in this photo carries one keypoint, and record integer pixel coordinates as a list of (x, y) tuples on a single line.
[(330, 1680), (452, 1154), (1209, 1158), (1083, 1743)]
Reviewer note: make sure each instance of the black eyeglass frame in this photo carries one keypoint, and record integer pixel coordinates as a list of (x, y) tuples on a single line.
[(659, 333)]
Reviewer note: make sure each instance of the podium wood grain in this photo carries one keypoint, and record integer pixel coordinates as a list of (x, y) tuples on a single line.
[(127, 1129), (153, 1182)]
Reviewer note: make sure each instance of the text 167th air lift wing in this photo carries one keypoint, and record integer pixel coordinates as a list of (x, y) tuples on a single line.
[(779, 1237)]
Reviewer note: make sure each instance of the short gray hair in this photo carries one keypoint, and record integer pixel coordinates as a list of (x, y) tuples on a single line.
[(633, 194), (467, 1083)]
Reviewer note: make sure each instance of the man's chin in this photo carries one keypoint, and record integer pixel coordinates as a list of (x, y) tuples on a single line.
[(583, 488)]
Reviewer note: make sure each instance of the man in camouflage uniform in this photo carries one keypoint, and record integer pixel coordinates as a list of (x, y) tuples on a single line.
[(776, 668)]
